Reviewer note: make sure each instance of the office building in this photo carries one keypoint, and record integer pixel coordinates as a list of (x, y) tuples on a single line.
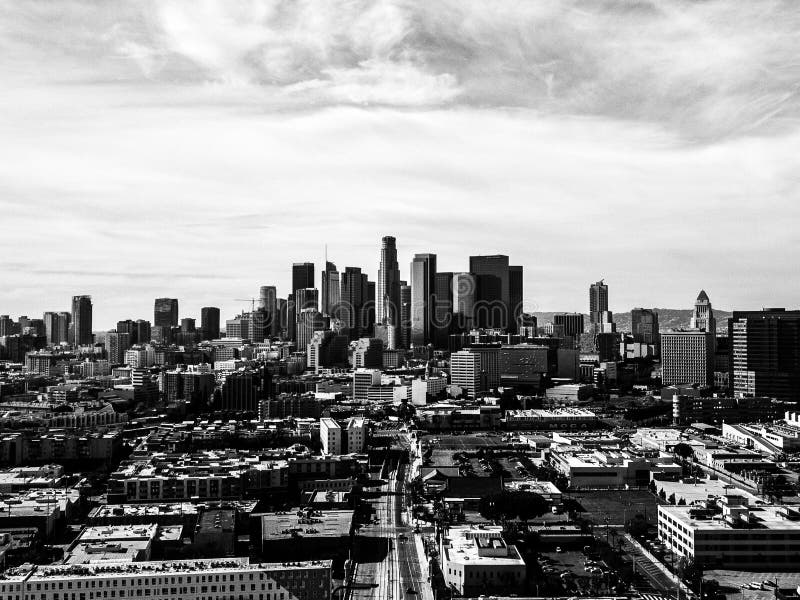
[(268, 305), (82, 321), (465, 372), (703, 315), (330, 435), (644, 326), (515, 295), (727, 533), (56, 325), (687, 357), (116, 345), (570, 324), (165, 312), (423, 285), (309, 321), (363, 380), (239, 392), (388, 286), (302, 276), (443, 309), (367, 353), (143, 331), (209, 322), (331, 289), (522, 366), (476, 561), (405, 315), (353, 300), (765, 353), (598, 301), (464, 297), (718, 409), (493, 297), (305, 299)]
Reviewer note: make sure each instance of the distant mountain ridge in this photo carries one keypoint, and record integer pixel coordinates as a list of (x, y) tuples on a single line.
[(668, 318)]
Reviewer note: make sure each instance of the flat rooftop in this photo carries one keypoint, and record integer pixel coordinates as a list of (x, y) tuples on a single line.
[(761, 518), (318, 523)]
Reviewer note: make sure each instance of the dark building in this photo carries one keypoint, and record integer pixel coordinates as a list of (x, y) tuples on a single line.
[(353, 298), (572, 323), (644, 326), (302, 276), (165, 312), (405, 315), (493, 297), (82, 320), (765, 354), (598, 301), (443, 310), (143, 334), (331, 289), (423, 285), (209, 322), (388, 286), (515, 293), (239, 392)]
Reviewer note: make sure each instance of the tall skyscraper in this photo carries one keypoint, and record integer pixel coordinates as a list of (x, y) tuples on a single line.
[(600, 318), (306, 298), (703, 315), (423, 285), (353, 296), (165, 312), (143, 331), (302, 276), (268, 303), (765, 353), (515, 294), (209, 322), (493, 302), (405, 315), (443, 309), (464, 295), (388, 292), (644, 326), (82, 320), (331, 290)]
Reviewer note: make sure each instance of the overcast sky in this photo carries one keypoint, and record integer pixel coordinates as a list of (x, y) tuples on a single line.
[(195, 150)]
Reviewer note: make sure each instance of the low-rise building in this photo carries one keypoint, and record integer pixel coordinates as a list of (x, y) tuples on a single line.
[(562, 418), (610, 469), (477, 561)]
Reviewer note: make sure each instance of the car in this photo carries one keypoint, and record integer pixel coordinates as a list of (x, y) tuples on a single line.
[(559, 549)]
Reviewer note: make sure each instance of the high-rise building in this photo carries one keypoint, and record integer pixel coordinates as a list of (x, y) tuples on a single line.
[(465, 371), (571, 323), (188, 325), (598, 301), (209, 322), (515, 294), (309, 321), (165, 312), (388, 290), (56, 326), (6, 325), (302, 276), (644, 326), (443, 324), (423, 285), (116, 345), (305, 299), (493, 299), (464, 295), (82, 320), (405, 315), (687, 357), (143, 333), (353, 298), (703, 315), (363, 380), (268, 303), (331, 289), (765, 353)]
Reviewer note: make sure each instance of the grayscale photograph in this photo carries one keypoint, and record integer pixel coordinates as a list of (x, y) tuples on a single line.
[(399, 300)]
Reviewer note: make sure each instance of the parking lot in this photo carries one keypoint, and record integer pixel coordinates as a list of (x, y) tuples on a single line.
[(463, 442), (567, 572), (618, 506)]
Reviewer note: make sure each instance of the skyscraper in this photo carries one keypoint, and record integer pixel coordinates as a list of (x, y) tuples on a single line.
[(644, 326), (352, 300), (56, 326), (765, 353), (600, 318), (464, 290), (388, 292), (116, 345), (405, 315), (302, 276), (165, 312), (143, 333), (209, 322), (423, 285), (82, 320), (703, 315), (515, 294), (306, 298), (268, 303), (493, 301), (443, 309), (331, 291)]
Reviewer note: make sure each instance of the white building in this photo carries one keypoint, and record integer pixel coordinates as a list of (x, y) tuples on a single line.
[(330, 434), (476, 560), (465, 371), (356, 432), (610, 469), (214, 579), (363, 380), (740, 537)]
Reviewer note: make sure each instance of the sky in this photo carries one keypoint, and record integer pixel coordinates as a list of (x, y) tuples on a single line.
[(196, 149)]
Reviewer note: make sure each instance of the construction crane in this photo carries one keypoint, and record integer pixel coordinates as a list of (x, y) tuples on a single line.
[(252, 302)]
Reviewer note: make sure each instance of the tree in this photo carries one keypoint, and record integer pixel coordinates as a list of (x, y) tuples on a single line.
[(683, 450), (509, 505), (671, 498), (637, 526)]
